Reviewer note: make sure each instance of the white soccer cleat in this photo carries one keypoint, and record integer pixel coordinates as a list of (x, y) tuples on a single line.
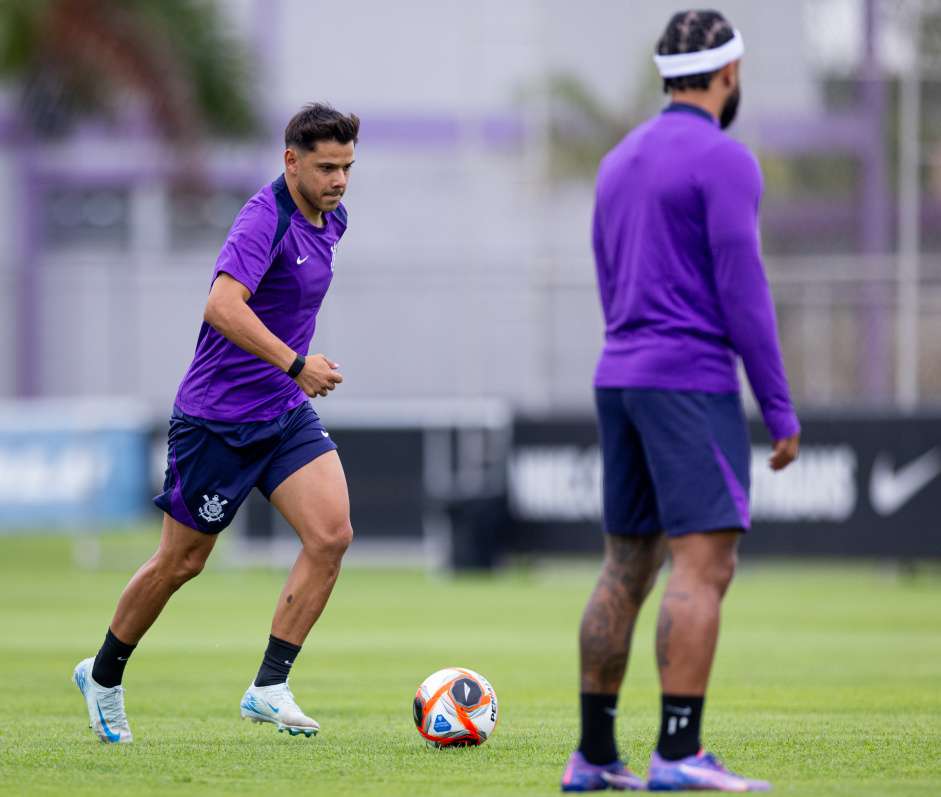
[(105, 706), (276, 704)]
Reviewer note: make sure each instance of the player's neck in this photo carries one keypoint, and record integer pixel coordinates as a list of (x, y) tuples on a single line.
[(308, 211), (710, 101)]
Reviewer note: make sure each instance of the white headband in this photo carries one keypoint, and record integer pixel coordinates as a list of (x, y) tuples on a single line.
[(700, 62)]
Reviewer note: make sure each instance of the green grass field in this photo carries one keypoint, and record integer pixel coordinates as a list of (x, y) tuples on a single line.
[(828, 679)]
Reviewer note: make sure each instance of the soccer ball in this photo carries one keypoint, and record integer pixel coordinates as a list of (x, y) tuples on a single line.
[(455, 708)]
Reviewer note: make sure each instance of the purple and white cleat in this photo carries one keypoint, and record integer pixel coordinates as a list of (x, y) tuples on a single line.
[(579, 775), (697, 772)]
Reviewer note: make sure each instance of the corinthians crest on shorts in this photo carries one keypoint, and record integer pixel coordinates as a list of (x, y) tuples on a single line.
[(212, 510)]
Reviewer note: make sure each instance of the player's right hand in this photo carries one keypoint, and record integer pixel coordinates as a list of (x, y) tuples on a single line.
[(785, 451), (318, 375)]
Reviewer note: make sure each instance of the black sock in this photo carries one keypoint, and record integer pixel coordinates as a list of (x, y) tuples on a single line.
[(276, 666), (679, 729), (598, 713), (108, 669)]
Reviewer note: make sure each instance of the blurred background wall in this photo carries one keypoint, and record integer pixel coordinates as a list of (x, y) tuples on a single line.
[(466, 270)]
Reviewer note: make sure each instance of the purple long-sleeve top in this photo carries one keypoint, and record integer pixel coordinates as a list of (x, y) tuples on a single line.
[(678, 258)]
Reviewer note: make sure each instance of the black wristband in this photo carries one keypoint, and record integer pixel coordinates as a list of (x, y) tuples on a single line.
[(297, 367)]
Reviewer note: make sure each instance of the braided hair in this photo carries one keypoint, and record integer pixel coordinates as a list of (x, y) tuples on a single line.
[(689, 32)]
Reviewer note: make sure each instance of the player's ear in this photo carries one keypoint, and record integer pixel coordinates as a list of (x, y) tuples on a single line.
[(729, 74), (290, 161)]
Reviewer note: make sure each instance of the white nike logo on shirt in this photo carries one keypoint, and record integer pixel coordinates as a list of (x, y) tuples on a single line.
[(325, 434), (299, 261)]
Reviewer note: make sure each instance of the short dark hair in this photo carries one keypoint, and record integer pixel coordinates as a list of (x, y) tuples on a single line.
[(690, 32), (319, 121)]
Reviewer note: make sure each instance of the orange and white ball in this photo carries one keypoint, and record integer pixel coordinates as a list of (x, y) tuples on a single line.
[(455, 707)]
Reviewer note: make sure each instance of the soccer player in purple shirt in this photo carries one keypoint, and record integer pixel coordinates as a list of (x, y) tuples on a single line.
[(242, 419), (684, 296)]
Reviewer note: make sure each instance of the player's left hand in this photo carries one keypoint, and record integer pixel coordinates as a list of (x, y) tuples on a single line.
[(785, 452), (318, 375)]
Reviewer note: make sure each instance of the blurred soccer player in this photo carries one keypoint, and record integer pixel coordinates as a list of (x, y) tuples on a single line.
[(242, 419), (684, 294)]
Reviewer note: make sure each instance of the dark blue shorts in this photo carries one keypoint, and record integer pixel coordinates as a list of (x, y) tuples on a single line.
[(674, 461), (213, 466)]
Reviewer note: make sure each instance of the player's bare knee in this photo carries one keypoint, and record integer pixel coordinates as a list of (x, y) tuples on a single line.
[(191, 567), (341, 537), (330, 540), (177, 570), (635, 562), (723, 570), (638, 580)]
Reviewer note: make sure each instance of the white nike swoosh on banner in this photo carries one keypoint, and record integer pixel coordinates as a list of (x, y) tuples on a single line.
[(890, 489)]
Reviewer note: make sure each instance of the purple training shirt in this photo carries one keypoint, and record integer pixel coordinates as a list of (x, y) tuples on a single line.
[(287, 264), (677, 253)]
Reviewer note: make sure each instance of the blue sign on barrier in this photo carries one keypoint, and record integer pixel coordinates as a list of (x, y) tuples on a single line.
[(73, 465)]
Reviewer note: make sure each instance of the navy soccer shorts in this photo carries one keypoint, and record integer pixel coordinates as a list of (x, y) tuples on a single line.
[(213, 466), (674, 461)]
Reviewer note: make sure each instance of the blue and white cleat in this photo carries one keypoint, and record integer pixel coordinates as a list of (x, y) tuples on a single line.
[(105, 706), (579, 775), (276, 704), (697, 772)]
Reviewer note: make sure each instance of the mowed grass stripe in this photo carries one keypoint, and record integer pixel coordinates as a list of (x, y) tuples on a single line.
[(827, 681)]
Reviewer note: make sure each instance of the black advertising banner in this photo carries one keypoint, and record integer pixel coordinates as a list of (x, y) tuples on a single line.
[(868, 487), (862, 487), (383, 468), (554, 486)]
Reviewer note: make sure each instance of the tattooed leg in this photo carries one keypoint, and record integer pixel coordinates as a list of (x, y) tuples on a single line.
[(688, 625), (630, 570)]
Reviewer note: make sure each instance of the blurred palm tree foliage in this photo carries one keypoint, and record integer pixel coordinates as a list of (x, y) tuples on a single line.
[(73, 59), (582, 129)]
